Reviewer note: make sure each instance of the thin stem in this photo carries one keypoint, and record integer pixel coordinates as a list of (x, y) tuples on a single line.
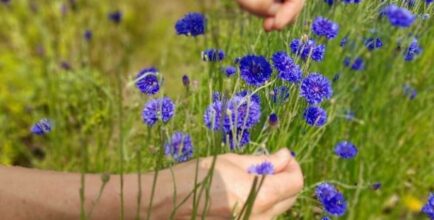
[(82, 182), (156, 172), (101, 190), (195, 190), (139, 179), (82, 200), (121, 142), (252, 201), (207, 186), (174, 189)]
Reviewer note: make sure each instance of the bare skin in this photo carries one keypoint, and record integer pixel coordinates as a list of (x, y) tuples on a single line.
[(35, 194), (276, 13)]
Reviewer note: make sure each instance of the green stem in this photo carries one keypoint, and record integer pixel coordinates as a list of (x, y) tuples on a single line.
[(195, 190), (207, 186), (82, 182), (101, 189), (139, 179), (82, 200), (121, 142), (156, 172)]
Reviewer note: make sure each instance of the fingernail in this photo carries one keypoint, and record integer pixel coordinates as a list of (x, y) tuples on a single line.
[(282, 152), (272, 10), (269, 22)]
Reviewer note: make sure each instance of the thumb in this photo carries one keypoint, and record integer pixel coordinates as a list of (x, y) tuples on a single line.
[(260, 7), (281, 159)]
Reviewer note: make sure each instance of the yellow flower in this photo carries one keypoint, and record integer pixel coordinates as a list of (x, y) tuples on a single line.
[(412, 203)]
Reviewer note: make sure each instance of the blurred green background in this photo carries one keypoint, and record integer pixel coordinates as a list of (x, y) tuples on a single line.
[(40, 38)]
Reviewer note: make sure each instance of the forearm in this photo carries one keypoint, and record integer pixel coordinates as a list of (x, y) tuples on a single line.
[(36, 194)]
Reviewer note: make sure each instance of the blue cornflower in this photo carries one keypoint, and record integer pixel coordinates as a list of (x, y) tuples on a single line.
[(230, 71), (186, 81), (315, 116), (273, 120), (65, 65), (287, 68), (344, 41), (280, 94), (349, 114), (88, 35), (212, 55), (332, 200), (241, 113), (357, 64), (346, 150), (247, 94), (147, 81), (376, 186), (192, 24), (318, 53), (42, 127), (237, 60), (428, 208), (242, 138), (179, 147), (413, 50), (410, 3), (217, 96), (255, 70), (399, 17), (325, 218), (213, 115), (264, 168), (429, 1), (373, 43), (325, 28), (308, 49), (158, 109), (316, 88), (409, 91), (329, 2), (352, 1), (115, 16), (425, 16), (336, 77)]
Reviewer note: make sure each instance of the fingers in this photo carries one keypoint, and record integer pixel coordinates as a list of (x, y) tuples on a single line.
[(260, 7), (287, 13), (268, 23), (280, 187), (276, 210), (286, 184), (280, 160), (282, 206), (277, 14)]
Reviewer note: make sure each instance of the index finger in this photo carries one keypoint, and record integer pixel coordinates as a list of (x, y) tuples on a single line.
[(287, 13), (260, 7), (287, 183)]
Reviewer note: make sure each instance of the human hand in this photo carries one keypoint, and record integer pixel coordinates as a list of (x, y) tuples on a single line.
[(276, 13), (232, 183)]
